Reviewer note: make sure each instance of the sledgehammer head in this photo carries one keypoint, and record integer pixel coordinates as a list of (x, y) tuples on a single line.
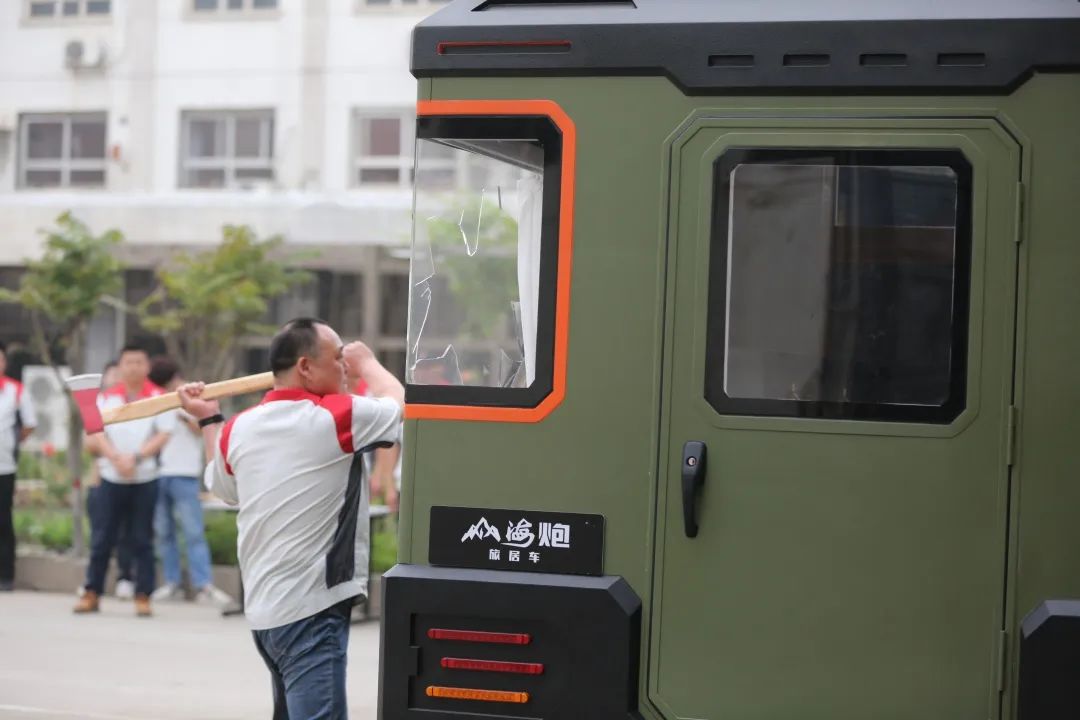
[(85, 388)]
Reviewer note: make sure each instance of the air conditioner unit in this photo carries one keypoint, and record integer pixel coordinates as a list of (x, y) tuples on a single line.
[(84, 55), (50, 405)]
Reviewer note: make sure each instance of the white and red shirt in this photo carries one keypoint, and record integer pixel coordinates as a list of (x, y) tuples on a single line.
[(15, 406), (184, 454), (130, 436), (294, 465)]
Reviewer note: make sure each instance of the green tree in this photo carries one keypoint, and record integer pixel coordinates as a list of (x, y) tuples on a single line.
[(476, 251), (206, 303), (65, 287)]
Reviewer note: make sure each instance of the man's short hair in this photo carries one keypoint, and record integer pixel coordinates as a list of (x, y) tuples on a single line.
[(133, 348), (296, 339), (162, 370)]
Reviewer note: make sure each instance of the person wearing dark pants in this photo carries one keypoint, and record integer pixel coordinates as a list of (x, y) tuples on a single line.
[(128, 492), (125, 561), (17, 422), (119, 502), (7, 533)]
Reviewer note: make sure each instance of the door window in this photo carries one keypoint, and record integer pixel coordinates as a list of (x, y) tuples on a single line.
[(839, 284)]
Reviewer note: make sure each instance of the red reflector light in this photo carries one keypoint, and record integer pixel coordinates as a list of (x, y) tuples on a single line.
[(504, 46), (479, 636), (523, 668), (485, 695)]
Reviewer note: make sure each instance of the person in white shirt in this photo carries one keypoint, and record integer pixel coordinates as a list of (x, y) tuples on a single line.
[(180, 469), (17, 421), (127, 462), (294, 465)]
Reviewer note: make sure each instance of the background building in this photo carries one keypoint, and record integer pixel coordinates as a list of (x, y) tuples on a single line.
[(167, 119)]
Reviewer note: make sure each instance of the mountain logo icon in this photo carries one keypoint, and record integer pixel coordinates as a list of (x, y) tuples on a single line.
[(482, 529)]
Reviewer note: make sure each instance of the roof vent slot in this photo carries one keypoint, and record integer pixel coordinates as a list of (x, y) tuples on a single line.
[(883, 60), (961, 59), (806, 60), (731, 61)]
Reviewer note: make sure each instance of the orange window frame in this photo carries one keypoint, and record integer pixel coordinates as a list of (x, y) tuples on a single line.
[(551, 110)]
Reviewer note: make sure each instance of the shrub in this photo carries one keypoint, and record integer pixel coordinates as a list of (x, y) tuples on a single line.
[(221, 537), (50, 529), (383, 551)]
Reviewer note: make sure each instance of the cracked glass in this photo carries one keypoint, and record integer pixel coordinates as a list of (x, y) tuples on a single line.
[(475, 273)]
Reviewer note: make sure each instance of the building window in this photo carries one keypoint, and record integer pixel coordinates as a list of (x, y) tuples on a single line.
[(382, 149), (212, 6), (222, 149), (404, 4), (36, 9), (62, 150)]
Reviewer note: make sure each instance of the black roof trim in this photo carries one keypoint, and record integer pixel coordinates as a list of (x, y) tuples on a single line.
[(733, 46)]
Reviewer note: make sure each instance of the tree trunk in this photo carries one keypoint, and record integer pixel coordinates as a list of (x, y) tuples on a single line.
[(75, 436), (75, 433), (75, 448)]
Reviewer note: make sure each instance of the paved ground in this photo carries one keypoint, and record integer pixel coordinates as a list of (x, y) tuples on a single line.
[(186, 662)]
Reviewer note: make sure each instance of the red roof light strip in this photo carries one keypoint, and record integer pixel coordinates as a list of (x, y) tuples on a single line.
[(479, 636), (449, 46), (521, 668)]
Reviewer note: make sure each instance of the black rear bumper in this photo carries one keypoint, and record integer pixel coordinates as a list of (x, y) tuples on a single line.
[(565, 646)]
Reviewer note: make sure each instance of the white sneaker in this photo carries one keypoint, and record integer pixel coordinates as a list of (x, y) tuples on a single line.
[(167, 593), (125, 589), (211, 595)]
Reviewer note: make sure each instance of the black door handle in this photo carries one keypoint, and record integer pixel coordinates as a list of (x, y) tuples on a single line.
[(693, 478)]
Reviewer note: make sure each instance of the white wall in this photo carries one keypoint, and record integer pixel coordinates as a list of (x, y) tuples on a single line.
[(313, 62)]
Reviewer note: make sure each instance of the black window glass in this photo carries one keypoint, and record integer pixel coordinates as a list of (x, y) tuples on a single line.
[(839, 284)]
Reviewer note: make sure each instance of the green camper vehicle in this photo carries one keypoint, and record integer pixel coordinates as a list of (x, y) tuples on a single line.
[(743, 363)]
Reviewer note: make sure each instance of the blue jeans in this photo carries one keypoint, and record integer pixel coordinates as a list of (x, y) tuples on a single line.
[(118, 504), (306, 660), (178, 497)]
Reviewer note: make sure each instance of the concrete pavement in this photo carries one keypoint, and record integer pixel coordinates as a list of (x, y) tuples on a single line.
[(185, 663)]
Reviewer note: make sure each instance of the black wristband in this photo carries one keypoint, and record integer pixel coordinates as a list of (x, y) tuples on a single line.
[(219, 418)]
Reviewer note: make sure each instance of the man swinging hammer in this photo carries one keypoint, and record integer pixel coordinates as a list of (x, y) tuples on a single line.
[(294, 466)]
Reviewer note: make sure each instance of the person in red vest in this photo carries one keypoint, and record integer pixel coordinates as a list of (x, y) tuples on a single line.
[(127, 459), (17, 421)]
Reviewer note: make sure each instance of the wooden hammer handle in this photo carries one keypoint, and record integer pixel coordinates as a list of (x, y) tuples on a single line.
[(170, 401)]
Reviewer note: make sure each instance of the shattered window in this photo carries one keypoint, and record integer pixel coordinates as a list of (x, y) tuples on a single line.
[(475, 275)]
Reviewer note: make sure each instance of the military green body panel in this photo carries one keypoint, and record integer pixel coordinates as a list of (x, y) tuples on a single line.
[(600, 450), (1046, 476), (821, 539)]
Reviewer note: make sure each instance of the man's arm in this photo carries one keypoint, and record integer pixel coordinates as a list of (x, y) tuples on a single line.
[(27, 417), (153, 446), (99, 445), (380, 381), (217, 476)]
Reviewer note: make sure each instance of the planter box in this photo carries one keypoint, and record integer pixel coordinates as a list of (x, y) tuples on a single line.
[(45, 571)]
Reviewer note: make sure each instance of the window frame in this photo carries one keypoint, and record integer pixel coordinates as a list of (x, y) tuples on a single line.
[(228, 162), (510, 119), (65, 164), (713, 389), (404, 162), (58, 17), (224, 12), (398, 6)]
